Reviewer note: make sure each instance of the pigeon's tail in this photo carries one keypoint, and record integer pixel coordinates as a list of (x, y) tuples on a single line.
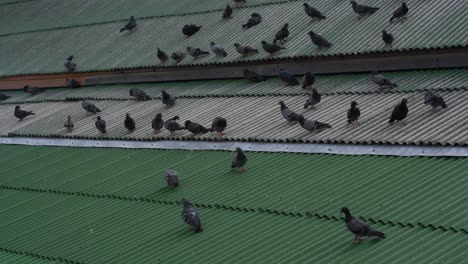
[(224, 54), (198, 229), (372, 10), (321, 16), (391, 120), (443, 104), (379, 234), (245, 26), (31, 113), (324, 125), (391, 19), (122, 29)]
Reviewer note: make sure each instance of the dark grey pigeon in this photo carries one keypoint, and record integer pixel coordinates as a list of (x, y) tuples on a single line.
[(167, 98), (178, 56), (314, 98), (219, 125), (381, 81), (313, 12), (282, 34), (239, 160), (172, 179), (358, 227), (139, 94), (72, 83), (157, 123), (90, 107), (288, 78), (311, 125), (253, 76), (400, 12), (68, 124), (318, 40), (172, 125), (271, 48), (20, 114), (69, 64), (363, 10), (387, 38), (196, 128), (4, 97), (190, 29), (162, 56), (101, 125), (399, 112), (32, 90), (288, 114), (254, 20), (227, 13), (131, 24), (245, 50), (191, 216), (308, 81), (196, 52), (434, 99), (218, 50), (353, 113), (239, 1), (129, 123)]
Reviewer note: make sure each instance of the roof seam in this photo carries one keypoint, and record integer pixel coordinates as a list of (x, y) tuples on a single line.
[(37, 256)]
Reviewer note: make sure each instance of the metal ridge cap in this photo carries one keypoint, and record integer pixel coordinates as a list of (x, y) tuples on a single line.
[(310, 148)]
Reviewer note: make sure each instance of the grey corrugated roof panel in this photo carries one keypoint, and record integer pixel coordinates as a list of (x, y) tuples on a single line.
[(424, 29)]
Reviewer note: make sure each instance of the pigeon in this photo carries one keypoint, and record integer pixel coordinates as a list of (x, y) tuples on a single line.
[(68, 124), (178, 56), (218, 50), (400, 12), (319, 41), (239, 160), (227, 13), (363, 10), (196, 52), (129, 123), (245, 50), (190, 29), (381, 81), (308, 81), (90, 107), (196, 128), (172, 125), (20, 114), (353, 113), (69, 64), (162, 56), (254, 20), (131, 24), (157, 123), (101, 125), (171, 178), (288, 78), (313, 12), (4, 97), (191, 216), (139, 94), (399, 112), (167, 98), (314, 98), (282, 34), (32, 90), (358, 227), (72, 83), (253, 76), (219, 125), (387, 38), (271, 47), (288, 114), (239, 1), (434, 99), (311, 125)]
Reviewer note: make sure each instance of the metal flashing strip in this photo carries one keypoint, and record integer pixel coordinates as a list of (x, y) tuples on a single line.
[(431, 151)]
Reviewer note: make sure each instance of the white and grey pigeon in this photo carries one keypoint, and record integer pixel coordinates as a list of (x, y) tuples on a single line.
[(68, 124), (218, 50), (308, 80), (171, 177), (191, 216), (69, 64), (32, 90), (381, 81), (314, 98), (434, 99), (157, 123), (358, 227), (90, 107), (167, 98), (196, 52), (288, 114), (288, 78), (72, 83), (312, 125)]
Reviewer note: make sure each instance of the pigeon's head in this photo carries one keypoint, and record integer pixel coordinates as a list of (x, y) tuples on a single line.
[(403, 4), (189, 48), (187, 123), (281, 103), (25, 88), (264, 42), (132, 18), (186, 202), (306, 4), (239, 150), (98, 118), (301, 119), (404, 101), (17, 107), (70, 58), (311, 33), (127, 116), (236, 45), (354, 103), (131, 92), (345, 210), (286, 25), (158, 115), (255, 15), (175, 118), (163, 92), (212, 43), (384, 32), (69, 117), (353, 2)]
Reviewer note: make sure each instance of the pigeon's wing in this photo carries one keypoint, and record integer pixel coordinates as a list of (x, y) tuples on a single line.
[(358, 227)]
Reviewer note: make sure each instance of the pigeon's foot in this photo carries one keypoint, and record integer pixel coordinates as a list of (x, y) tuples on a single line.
[(241, 170), (156, 131)]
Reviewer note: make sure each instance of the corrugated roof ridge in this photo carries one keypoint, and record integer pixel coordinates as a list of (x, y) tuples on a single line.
[(37, 256), (16, 2)]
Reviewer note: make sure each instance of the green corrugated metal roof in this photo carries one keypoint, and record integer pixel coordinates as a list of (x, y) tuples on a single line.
[(426, 28), (111, 206), (22, 258)]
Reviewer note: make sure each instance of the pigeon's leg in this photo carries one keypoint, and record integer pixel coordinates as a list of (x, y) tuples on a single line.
[(357, 122), (357, 239), (241, 170), (156, 131)]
